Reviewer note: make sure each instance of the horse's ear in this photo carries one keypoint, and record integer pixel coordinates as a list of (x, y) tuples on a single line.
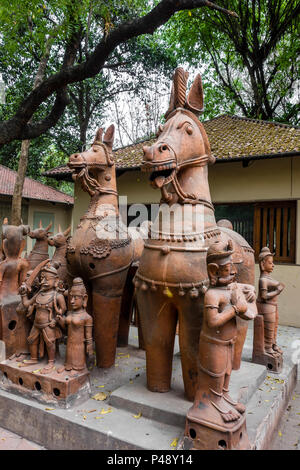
[(98, 136), (194, 100), (67, 231), (48, 226), (109, 136), (59, 228), (177, 99)]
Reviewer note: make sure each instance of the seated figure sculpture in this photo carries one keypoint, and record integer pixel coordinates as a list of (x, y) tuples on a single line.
[(215, 420), (79, 324), (265, 349), (47, 303)]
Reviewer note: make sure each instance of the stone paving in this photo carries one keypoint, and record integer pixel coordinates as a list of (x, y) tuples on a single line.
[(287, 435), (11, 441)]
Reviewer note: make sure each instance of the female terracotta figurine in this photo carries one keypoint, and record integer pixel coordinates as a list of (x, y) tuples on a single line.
[(225, 299), (269, 289), (47, 303), (79, 324)]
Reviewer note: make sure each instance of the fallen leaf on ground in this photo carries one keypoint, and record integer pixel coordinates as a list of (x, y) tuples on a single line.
[(91, 411), (100, 396), (49, 409), (174, 442), (104, 412), (138, 416), (100, 386), (98, 417), (279, 433), (36, 371)]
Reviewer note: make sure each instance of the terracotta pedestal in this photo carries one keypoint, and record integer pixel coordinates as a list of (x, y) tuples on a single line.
[(212, 434), (259, 356), (49, 388), (9, 322)]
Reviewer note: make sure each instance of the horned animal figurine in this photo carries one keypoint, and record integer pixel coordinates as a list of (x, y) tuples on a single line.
[(101, 251), (39, 252), (59, 241), (215, 420), (265, 349), (172, 276)]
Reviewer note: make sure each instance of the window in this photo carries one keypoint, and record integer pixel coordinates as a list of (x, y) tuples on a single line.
[(271, 224), (275, 227)]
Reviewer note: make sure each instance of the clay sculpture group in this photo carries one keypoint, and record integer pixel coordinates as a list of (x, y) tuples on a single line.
[(192, 276)]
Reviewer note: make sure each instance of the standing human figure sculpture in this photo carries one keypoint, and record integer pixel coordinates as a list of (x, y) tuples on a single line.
[(214, 413), (47, 303), (79, 325), (265, 348)]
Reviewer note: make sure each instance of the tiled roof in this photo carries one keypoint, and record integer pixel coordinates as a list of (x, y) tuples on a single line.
[(32, 189), (231, 138)]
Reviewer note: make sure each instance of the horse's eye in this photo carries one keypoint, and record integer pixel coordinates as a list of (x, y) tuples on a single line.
[(189, 130)]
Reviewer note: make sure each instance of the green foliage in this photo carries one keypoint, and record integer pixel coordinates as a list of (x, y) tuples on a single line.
[(250, 64)]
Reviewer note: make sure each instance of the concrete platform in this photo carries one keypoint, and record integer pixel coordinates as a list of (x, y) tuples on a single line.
[(130, 417)]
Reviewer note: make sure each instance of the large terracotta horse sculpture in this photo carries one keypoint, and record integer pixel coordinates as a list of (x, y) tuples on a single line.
[(172, 275), (101, 250)]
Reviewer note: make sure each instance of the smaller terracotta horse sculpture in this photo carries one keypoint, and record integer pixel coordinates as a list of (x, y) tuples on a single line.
[(40, 250), (59, 241), (101, 250)]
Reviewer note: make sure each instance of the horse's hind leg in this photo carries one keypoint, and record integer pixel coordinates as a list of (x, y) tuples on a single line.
[(126, 309), (158, 319)]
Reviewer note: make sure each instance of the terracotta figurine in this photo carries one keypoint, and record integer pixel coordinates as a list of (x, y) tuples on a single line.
[(101, 250), (265, 349), (172, 276), (39, 252), (13, 271), (47, 304), (59, 241), (79, 325), (214, 411)]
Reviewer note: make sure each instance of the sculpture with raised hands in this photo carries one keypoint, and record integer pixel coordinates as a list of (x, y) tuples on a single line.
[(79, 326), (215, 420), (45, 306), (265, 348)]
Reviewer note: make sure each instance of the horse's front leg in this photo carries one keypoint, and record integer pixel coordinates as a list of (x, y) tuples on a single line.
[(106, 314)]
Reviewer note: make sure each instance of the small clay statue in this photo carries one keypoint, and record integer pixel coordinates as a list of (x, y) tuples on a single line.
[(265, 349), (47, 304), (23, 323), (79, 324), (214, 411)]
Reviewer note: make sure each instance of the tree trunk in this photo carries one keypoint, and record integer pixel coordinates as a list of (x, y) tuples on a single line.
[(16, 206)]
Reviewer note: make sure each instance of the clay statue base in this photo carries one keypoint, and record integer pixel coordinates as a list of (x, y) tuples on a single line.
[(274, 362), (62, 389), (9, 322), (210, 433)]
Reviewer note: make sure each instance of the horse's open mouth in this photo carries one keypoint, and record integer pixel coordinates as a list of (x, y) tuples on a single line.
[(161, 174)]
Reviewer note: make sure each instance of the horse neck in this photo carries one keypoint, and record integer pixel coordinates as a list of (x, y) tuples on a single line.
[(60, 253), (194, 180), (41, 245), (100, 201), (189, 218)]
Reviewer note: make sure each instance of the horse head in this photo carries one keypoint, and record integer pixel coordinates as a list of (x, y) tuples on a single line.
[(60, 238), (182, 140), (88, 166), (40, 233)]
